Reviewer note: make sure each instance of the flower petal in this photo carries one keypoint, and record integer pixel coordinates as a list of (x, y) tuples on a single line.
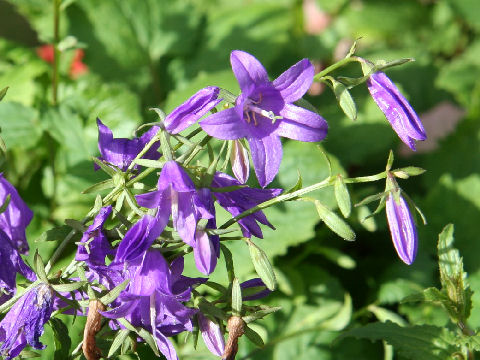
[(247, 69), (301, 124), (212, 335), (175, 176), (295, 81), (225, 124), (204, 252), (266, 156), (192, 110)]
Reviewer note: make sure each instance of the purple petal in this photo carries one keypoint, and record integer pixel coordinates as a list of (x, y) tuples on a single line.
[(16, 217), (186, 222), (247, 69), (211, 334), (254, 283), (121, 311), (295, 81), (396, 108), (175, 176), (192, 110), (301, 124), (152, 272), (240, 162), (226, 124), (204, 252), (402, 229), (165, 346), (266, 156)]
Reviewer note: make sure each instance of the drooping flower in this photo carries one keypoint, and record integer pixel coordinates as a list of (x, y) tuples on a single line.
[(256, 285), (264, 111), (11, 264), (402, 228), (238, 201), (154, 299), (176, 196), (211, 334), (121, 151), (239, 161), (16, 217), (94, 245), (192, 110), (396, 108), (24, 323)]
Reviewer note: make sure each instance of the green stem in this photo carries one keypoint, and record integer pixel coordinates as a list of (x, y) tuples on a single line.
[(334, 67), (147, 147)]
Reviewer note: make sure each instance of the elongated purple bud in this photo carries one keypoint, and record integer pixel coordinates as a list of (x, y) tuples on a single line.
[(192, 110), (396, 108), (402, 228), (239, 161), (212, 335)]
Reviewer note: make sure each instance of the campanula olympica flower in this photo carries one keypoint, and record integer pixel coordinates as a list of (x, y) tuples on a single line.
[(121, 151), (24, 323), (399, 113), (264, 111), (402, 228)]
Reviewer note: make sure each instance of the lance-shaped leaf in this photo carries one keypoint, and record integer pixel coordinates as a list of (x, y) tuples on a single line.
[(102, 185), (262, 265), (40, 267), (344, 99), (334, 222), (253, 336), (236, 298), (3, 92), (343, 197), (260, 314), (114, 293), (68, 287), (62, 339), (118, 341)]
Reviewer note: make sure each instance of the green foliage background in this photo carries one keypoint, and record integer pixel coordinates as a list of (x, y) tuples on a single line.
[(157, 53)]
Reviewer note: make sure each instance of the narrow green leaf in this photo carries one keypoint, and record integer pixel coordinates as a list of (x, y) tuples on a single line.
[(114, 293), (260, 314), (102, 185), (381, 65), (3, 92), (236, 298), (208, 308), (390, 160), (118, 341), (370, 198), (156, 164), (345, 100), (40, 267), (5, 204), (334, 222), (62, 340), (343, 197), (227, 254), (253, 336), (103, 165), (76, 225), (68, 287), (144, 334), (262, 265)]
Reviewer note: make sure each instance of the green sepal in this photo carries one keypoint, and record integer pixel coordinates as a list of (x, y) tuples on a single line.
[(253, 336), (370, 198), (102, 185), (345, 100), (103, 165), (260, 314), (144, 334), (156, 164), (68, 287), (236, 298), (114, 293), (334, 222), (118, 341), (390, 160), (343, 197), (262, 265), (40, 267)]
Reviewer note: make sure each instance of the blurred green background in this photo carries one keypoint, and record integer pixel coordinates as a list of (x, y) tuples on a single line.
[(139, 54)]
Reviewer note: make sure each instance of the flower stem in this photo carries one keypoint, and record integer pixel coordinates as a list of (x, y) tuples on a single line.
[(334, 67)]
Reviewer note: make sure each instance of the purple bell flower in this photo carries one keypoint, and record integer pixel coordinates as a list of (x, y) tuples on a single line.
[(402, 228), (121, 151), (12, 264), (264, 111), (15, 218), (396, 108), (24, 323), (176, 196), (238, 201), (192, 110), (95, 239), (211, 334)]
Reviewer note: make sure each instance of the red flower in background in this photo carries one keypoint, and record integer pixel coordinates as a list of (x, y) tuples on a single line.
[(77, 67)]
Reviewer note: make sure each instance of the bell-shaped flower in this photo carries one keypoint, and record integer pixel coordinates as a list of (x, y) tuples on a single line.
[(402, 227), (192, 110), (121, 151), (16, 217), (211, 334), (396, 108), (256, 289), (94, 245), (24, 323), (264, 111), (176, 196), (238, 201), (11, 264), (239, 161)]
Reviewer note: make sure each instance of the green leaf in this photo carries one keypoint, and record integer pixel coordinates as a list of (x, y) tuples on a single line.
[(334, 222), (345, 100), (118, 341), (40, 267), (412, 342), (262, 266), (3, 92), (56, 234), (392, 292), (337, 257), (114, 293), (260, 314), (62, 339), (253, 336), (19, 124), (102, 185), (343, 197), (68, 287)]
